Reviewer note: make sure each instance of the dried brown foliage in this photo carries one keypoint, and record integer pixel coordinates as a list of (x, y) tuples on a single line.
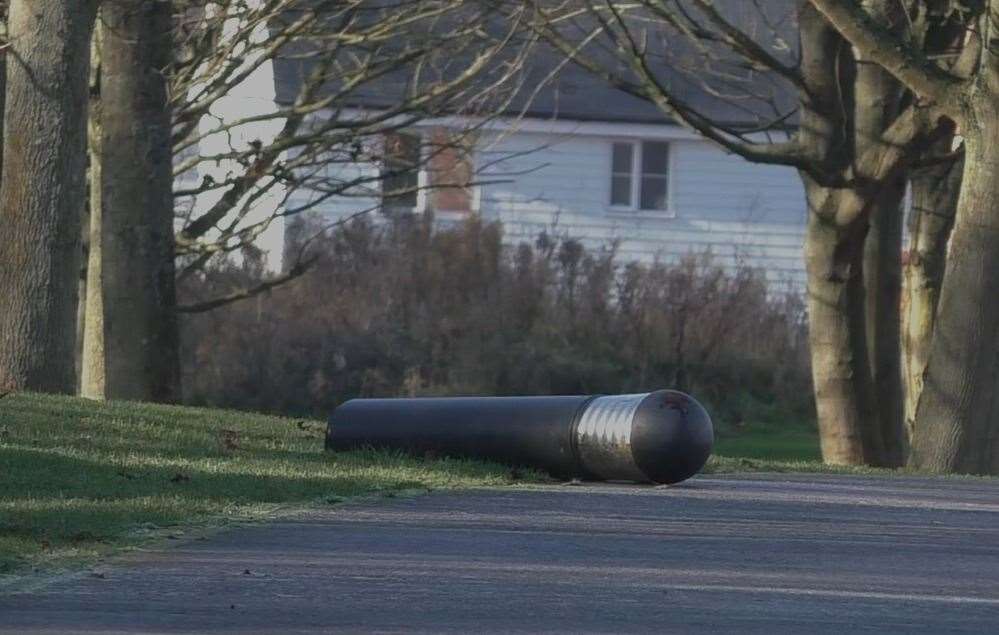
[(398, 309)]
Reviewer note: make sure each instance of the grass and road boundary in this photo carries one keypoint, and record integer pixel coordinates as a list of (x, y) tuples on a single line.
[(80, 479)]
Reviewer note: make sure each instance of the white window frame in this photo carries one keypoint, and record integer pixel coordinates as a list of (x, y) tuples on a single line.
[(423, 178), (636, 178)]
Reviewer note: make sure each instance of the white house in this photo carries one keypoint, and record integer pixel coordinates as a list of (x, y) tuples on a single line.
[(584, 160)]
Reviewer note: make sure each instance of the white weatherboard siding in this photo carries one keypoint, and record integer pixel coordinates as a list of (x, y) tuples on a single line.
[(740, 212), (558, 180)]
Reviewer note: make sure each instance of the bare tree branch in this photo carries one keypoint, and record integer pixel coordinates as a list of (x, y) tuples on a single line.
[(648, 86), (435, 53), (242, 294), (909, 64)]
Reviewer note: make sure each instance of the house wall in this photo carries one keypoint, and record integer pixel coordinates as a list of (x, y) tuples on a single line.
[(741, 212), (538, 178)]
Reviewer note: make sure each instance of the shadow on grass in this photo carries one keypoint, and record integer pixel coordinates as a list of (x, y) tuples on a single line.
[(80, 506)]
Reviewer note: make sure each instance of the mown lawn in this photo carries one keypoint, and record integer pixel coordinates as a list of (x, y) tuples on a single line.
[(774, 447), (785, 447), (771, 442), (79, 478)]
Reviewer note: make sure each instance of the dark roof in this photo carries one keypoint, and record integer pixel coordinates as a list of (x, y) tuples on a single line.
[(549, 88)]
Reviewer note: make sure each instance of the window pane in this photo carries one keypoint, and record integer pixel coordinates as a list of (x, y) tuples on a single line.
[(655, 178), (401, 170), (655, 157), (621, 190), (654, 192), (622, 158), (621, 168)]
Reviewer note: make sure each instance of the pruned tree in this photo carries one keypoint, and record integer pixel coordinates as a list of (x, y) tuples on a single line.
[(956, 424), (41, 190), (254, 167), (853, 132)]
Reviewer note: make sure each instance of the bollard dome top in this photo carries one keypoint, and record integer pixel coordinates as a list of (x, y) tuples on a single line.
[(671, 436), (663, 437)]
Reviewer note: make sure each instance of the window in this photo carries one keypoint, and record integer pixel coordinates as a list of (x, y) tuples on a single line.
[(640, 175), (450, 171), (621, 168), (655, 175), (400, 171)]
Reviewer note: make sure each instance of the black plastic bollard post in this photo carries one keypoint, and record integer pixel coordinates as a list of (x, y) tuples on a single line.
[(662, 437)]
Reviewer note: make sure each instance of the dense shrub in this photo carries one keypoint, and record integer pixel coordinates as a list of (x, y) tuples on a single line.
[(396, 308)]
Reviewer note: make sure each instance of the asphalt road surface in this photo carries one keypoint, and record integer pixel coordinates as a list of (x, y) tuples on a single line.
[(739, 554)]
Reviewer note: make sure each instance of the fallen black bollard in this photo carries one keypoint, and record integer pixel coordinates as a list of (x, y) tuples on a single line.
[(663, 436)]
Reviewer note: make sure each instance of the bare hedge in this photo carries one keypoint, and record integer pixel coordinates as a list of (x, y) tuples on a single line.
[(396, 308)]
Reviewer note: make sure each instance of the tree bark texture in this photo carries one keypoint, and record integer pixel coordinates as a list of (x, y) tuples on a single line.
[(91, 363), (857, 121), (954, 429), (134, 351), (837, 336), (42, 191), (3, 72), (878, 101), (883, 290), (834, 253), (934, 202), (81, 304)]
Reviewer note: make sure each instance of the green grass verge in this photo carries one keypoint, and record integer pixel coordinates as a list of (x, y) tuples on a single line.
[(790, 443), (80, 478), (773, 447), (731, 465), (789, 447)]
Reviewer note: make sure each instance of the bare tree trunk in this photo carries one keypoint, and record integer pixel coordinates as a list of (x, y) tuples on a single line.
[(42, 191), (846, 111), (92, 361), (954, 416), (135, 315), (883, 284), (935, 192), (837, 339), (878, 103), (3, 95), (3, 72), (81, 297), (833, 253)]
